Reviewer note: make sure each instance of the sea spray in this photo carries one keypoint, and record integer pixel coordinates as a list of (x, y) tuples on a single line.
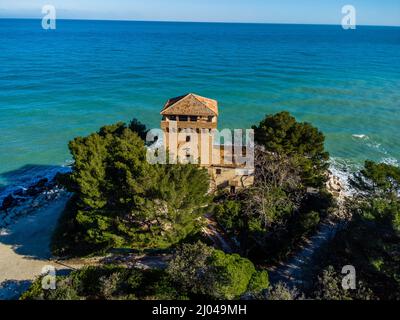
[(343, 169)]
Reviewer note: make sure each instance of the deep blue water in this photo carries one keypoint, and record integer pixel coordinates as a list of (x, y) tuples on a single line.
[(57, 84)]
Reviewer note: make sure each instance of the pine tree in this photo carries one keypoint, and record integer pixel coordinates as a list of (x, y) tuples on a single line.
[(123, 200)]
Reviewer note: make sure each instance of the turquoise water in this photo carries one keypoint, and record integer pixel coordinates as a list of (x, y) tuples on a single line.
[(58, 84)]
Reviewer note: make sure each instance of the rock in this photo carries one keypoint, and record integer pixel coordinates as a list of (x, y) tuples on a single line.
[(32, 191), (19, 193), (334, 185), (8, 202), (35, 204), (42, 183), (39, 187)]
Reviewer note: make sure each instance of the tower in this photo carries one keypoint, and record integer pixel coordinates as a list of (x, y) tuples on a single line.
[(189, 125)]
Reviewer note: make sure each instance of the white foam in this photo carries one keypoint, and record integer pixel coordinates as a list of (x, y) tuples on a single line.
[(35, 177), (343, 169), (391, 161), (360, 136)]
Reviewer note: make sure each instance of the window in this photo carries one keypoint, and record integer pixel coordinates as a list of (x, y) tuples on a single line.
[(187, 138), (183, 118), (193, 118), (172, 118), (210, 119), (218, 171), (233, 189)]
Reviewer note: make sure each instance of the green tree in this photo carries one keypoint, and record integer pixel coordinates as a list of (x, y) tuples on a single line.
[(204, 270), (370, 241), (138, 127), (283, 135), (378, 190), (378, 179), (122, 200), (190, 268), (329, 287)]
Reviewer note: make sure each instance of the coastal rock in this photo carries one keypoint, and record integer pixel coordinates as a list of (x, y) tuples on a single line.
[(42, 183), (334, 185), (8, 202), (39, 187)]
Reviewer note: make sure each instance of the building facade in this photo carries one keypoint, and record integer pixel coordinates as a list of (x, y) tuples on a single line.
[(190, 134)]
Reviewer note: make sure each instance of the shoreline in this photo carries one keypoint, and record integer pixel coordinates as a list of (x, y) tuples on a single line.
[(25, 247)]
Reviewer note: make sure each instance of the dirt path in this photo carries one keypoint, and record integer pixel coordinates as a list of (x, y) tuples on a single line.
[(24, 248), (294, 271), (291, 272), (214, 232)]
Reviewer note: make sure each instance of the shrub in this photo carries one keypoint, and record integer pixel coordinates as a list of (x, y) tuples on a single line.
[(198, 269), (281, 291), (258, 283), (107, 282)]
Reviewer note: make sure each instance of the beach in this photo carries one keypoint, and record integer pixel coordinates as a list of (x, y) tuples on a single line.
[(25, 247)]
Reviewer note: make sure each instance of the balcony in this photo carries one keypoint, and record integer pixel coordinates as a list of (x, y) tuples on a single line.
[(199, 124)]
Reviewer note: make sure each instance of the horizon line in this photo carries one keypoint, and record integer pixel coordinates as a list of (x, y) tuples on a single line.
[(209, 22)]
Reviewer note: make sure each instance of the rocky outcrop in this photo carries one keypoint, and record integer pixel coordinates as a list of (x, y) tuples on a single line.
[(25, 200), (335, 186)]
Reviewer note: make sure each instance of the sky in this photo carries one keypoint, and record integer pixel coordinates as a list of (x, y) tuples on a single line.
[(369, 12)]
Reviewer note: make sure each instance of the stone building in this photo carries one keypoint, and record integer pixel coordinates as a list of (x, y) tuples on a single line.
[(189, 125)]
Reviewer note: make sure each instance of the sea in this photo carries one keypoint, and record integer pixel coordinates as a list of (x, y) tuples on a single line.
[(59, 84)]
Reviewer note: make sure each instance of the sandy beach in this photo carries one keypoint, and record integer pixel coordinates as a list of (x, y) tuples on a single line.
[(24, 248)]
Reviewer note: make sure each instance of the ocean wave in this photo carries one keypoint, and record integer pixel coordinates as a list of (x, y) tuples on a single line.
[(360, 136), (343, 169), (391, 161), (382, 154)]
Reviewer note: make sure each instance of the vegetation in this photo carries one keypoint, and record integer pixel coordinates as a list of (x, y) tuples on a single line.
[(281, 291), (204, 270), (272, 217), (283, 135), (196, 271), (120, 200), (371, 240), (107, 282)]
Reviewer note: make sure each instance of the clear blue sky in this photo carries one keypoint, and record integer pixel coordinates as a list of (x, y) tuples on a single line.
[(371, 12)]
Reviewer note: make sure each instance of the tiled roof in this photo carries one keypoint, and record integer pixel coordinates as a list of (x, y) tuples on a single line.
[(191, 104)]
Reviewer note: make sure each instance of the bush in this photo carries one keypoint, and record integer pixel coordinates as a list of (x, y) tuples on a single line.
[(106, 282), (228, 215), (234, 273), (259, 282), (281, 291), (309, 221), (201, 270), (329, 287)]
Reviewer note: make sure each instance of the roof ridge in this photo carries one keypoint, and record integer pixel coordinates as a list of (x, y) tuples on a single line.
[(199, 100), (207, 103)]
